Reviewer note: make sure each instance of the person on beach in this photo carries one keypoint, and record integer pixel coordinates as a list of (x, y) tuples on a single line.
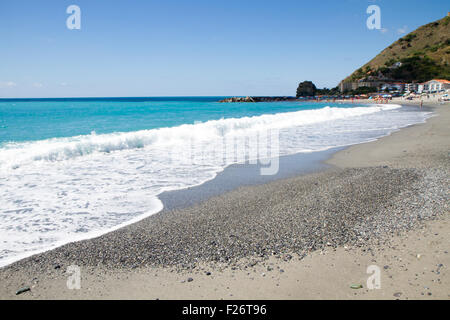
[(421, 104)]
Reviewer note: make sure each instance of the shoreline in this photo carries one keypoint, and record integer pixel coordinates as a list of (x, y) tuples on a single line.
[(398, 171), (230, 178), (239, 175)]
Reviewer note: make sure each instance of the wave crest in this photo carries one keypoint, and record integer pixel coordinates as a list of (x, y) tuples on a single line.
[(14, 155)]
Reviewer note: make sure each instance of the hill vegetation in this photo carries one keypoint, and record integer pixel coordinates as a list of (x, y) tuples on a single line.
[(423, 54)]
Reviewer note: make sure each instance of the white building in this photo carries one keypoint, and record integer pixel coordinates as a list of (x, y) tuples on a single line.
[(420, 88), (396, 86), (411, 87), (436, 85)]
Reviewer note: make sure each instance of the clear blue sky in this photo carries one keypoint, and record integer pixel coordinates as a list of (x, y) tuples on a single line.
[(191, 47)]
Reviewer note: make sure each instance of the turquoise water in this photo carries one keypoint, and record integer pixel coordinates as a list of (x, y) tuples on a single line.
[(72, 169), (38, 119)]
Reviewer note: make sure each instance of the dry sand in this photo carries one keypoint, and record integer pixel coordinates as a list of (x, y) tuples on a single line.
[(413, 264)]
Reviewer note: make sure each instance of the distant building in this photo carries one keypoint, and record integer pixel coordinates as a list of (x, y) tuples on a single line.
[(411, 87), (393, 86), (436, 85), (396, 65), (347, 86), (420, 88), (350, 86)]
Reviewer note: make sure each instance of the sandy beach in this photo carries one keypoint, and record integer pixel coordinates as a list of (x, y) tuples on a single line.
[(383, 203)]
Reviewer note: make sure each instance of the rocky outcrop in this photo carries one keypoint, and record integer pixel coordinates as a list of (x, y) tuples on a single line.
[(306, 89)]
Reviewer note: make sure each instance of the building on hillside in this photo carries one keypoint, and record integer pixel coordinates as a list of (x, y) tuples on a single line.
[(350, 86), (396, 65), (347, 86), (436, 85)]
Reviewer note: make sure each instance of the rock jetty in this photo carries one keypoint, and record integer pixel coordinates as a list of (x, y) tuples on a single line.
[(257, 99)]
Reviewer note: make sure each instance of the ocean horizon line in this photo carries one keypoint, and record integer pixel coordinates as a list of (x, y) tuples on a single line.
[(131, 97)]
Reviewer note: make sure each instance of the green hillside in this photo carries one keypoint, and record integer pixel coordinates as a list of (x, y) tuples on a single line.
[(424, 54)]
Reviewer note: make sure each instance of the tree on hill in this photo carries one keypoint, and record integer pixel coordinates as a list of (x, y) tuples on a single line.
[(327, 92), (417, 69), (364, 90)]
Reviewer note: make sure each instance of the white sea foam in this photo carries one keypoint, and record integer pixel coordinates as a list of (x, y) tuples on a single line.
[(17, 154), (65, 189)]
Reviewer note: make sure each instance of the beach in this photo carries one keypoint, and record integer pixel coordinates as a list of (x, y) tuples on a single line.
[(311, 236)]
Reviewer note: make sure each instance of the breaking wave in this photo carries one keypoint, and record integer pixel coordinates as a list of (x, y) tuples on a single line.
[(14, 155)]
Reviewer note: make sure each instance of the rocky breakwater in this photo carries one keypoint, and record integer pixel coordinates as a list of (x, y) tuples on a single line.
[(257, 99)]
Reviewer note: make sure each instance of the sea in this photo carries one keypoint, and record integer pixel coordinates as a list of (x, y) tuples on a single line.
[(76, 168)]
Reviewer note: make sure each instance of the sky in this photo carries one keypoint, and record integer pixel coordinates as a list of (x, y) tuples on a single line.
[(193, 48)]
